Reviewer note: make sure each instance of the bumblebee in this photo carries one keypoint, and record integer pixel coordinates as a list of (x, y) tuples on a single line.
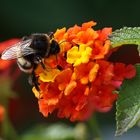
[(31, 51)]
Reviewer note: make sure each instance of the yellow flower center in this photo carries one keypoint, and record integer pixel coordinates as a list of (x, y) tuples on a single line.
[(77, 55)]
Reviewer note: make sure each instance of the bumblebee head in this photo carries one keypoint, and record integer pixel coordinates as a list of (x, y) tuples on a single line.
[(40, 43)]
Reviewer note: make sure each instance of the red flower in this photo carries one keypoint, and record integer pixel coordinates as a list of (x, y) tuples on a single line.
[(2, 111), (103, 98), (3, 45), (6, 65), (122, 71)]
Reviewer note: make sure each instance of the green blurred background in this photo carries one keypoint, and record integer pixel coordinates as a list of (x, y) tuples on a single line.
[(23, 17), (18, 18)]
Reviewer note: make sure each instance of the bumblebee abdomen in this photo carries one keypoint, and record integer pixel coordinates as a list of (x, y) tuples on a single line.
[(25, 65)]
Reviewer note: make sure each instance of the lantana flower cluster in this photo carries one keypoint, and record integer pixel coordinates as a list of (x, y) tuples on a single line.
[(80, 80)]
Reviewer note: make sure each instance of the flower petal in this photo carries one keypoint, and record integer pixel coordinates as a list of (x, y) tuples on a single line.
[(49, 76)]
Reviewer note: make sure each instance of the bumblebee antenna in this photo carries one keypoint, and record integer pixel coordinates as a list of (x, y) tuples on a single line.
[(51, 34), (68, 42), (62, 42)]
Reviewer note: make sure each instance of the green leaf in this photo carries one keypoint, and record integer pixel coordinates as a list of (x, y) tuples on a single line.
[(126, 35), (128, 104)]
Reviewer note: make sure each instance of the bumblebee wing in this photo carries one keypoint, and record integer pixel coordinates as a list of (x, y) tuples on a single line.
[(25, 49), (20, 49), (11, 52)]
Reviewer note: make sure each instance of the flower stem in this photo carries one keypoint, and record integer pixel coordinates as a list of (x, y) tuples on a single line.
[(94, 128), (8, 131)]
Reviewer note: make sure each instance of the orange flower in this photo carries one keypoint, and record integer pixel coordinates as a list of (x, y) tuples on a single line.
[(77, 35), (80, 80), (103, 34), (100, 49), (59, 35), (105, 73), (86, 75)]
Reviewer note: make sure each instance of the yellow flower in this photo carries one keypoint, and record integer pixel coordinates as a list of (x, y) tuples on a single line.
[(49, 76), (37, 93), (77, 55)]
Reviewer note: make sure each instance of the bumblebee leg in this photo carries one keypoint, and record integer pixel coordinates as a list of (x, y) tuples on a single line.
[(39, 60), (30, 80), (56, 58), (43, 65), (33, 80)]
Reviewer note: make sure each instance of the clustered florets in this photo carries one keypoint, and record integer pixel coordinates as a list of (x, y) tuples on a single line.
[(86, 80)]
